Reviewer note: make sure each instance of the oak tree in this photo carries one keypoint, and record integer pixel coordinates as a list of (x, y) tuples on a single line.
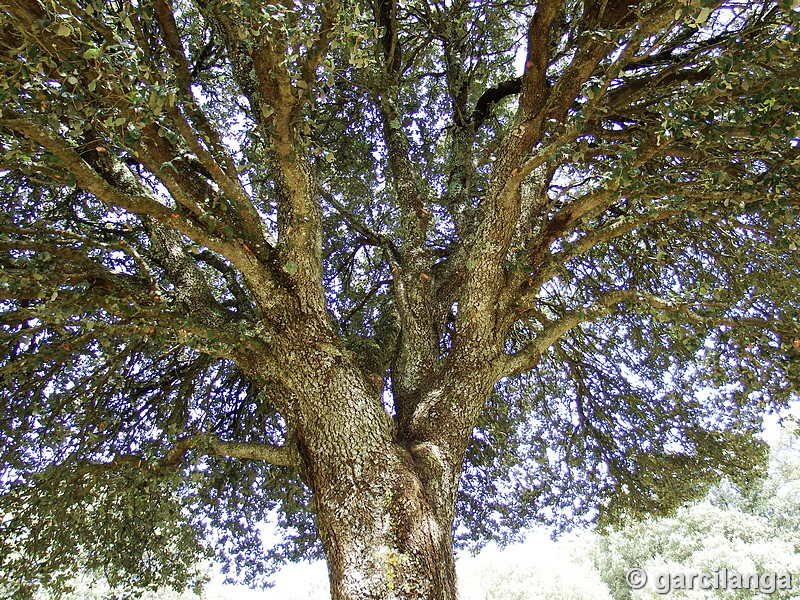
[(400, 272)]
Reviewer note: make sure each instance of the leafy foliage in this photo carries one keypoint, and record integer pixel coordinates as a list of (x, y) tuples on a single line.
[(745, 532), (608, 240)]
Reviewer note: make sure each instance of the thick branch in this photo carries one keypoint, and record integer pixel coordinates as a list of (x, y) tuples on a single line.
[(134, 198), (329, 17), (262, 73), (90, 180), (529, 356), (385, 12), (68, 266), (491, 97), (598, 237), (283, 456), (413, 286), (534, 80)]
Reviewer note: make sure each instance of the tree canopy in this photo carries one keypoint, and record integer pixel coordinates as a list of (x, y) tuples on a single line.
[(243, 244)]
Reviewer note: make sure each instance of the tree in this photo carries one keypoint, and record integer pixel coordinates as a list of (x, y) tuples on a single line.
[(751, 532), (701, 538), (341, 259)]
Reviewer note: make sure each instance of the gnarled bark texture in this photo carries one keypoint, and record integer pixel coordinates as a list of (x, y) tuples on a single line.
[(384, 489)]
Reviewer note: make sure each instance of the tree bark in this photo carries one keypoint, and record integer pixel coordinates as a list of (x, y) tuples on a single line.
[(385, 538), (384, 503)]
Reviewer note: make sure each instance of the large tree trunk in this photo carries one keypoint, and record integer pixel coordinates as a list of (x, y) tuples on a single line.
[(384, 512), (387, 536), (384, 503)]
